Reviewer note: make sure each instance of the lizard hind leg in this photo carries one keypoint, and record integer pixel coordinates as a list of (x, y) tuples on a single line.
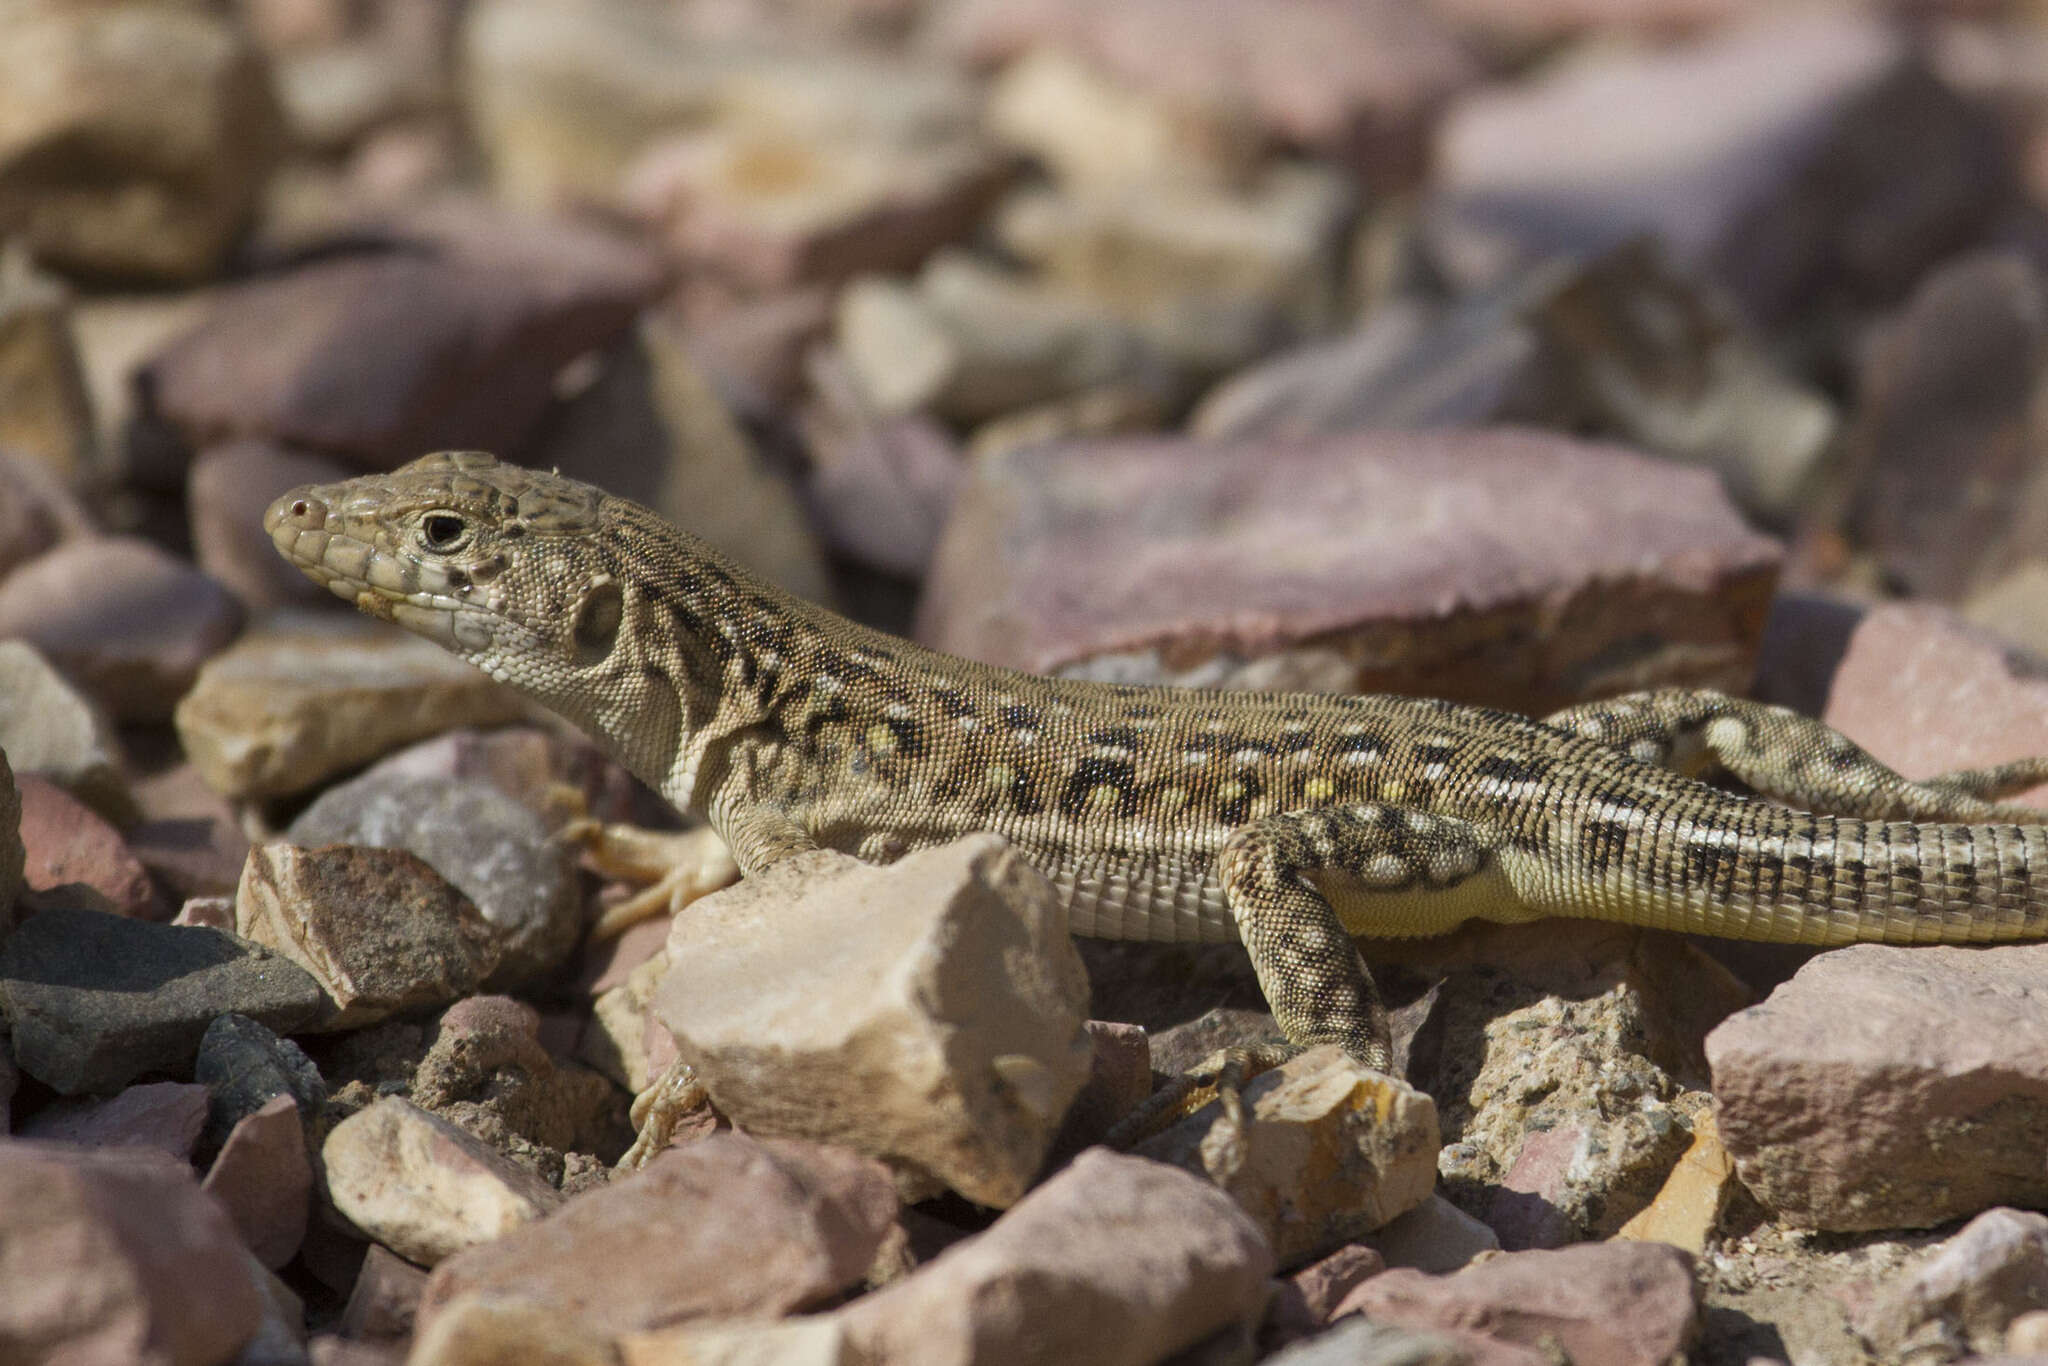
[(1793, 759)]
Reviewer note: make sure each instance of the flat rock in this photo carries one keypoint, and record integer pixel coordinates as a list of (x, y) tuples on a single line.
[(67, 842), (1331, 1150), (376, 358), (1600, 1304), (45, 413), (1686, 1210), (96, 1000), (164, 1115), (1889, 1087), (748, 1228), (1965, 1294), (379, 929), (1509, 567), (264, 1179), (48, 727), (305, 697), (174, 101), (492, 849), (245, 1065), (130, 623), (1359, 82), (1721, 148), (189, 837), (229, 487), (423, 1187), (944, 1035), (114, 1255)]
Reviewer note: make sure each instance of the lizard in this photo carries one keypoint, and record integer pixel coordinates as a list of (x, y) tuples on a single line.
[(1291, 823)]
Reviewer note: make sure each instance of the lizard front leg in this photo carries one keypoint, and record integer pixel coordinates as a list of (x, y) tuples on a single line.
[(1793, 759)]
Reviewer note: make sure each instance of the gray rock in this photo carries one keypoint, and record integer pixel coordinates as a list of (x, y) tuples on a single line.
[(1930, 1108), (379, 929), (943, 1033), (304, 697), (48, 727), (97, 1000), (496, 851), (244, 1065), (1961, 1298), (1150, 561)]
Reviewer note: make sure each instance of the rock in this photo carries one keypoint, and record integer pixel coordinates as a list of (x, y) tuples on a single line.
[(493, 850), (969, 342), (480, 1330), (652, 428), (753, 349), (13, 857), (424, 1187), (45, 412), (1604, 1304), (1331, 1150), (1961, 1299), (229, 487), (1926, 1111), (748, 1228), (1361, 1342), (115, 1255), (164, 1115), (264, 1180), (117, 334), (189, 838), (1358, 82), (1215, 278), (1620, 346), (1687, 1210), (1302, 1302), (1512, 568), (375, 358), (128, 621), (550, 772), (880, 484), (47, 727), (138, 137), (487, 1069), (1928, 693), (244, 1066), (301, 698), (37, 510), (1119, 1081), (379, 929), (1752, 154), (1949, 392), (625, 1039), (97, 1000), (1436, 1236), (384, 1299), (67, 842), (945, 1037)]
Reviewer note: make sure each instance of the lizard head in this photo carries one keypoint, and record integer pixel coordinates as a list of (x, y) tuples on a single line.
[(496, 563)]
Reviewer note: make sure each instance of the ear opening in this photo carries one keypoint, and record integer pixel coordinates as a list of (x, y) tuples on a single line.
[(594, 625)]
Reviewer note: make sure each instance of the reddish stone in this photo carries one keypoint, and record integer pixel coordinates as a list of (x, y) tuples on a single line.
[(264, 1180), (67, 842)]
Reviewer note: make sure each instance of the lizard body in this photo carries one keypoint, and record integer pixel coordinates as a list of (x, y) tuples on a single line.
[(1290, 822)]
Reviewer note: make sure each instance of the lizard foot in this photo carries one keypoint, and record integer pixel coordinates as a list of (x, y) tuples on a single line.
[(672, 867), (660, 1110), (1220, 1077)]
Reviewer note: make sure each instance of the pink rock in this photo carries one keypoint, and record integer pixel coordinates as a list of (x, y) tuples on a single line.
[(115, 1256), (165, 1115), (1358, 79), (1601, 1304), (1511, 567), (129, 622), (750, 1228), (1524, 1209), (67, 842), (1970, 1288), (1887, 1087), (386, 1295), (264, 1180), (189, 837), (1305, 1301)]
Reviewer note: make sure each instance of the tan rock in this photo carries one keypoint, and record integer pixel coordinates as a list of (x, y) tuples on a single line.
[(423, 1187), (1965, 1295), (48, 727), (116, 1256), (302, 698), (1330, 1150), (138, 136), (1510, 567), (748, 1228), (379, 929), (1924, 1112), (943, 1034), (624, 1040), (45, 412), (1436, 1236), (1688, 1208)]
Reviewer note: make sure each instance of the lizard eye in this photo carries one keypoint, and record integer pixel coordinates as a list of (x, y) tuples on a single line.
[(442, 531)]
